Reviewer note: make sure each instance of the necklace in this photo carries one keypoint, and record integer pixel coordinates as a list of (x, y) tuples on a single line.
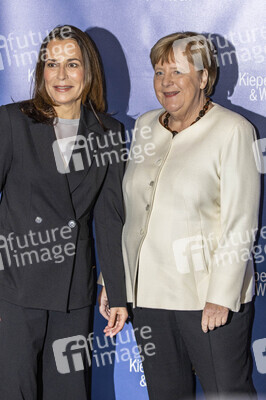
[(201, 114)]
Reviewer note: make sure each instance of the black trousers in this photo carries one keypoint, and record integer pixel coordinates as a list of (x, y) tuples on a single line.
[(44, 354), (221, 358)]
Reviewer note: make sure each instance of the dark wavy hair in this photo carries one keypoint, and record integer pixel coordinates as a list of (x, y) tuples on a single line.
[(41, 106)]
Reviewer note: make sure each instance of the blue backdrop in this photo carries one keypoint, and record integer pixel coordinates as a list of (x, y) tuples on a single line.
[(124, 31)]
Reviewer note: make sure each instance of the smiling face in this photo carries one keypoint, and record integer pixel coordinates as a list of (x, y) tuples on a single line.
[(179, 87), (64, 72)]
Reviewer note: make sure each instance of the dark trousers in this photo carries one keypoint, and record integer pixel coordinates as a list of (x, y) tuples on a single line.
[(44, 354), (221, 358)]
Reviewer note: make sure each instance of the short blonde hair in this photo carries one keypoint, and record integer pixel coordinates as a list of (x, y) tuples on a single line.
[(162, 52)]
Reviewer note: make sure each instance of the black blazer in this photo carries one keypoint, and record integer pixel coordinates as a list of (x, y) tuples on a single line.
[(46, 242)]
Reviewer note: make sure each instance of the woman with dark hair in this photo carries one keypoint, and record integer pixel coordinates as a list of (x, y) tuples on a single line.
[(55, 179)]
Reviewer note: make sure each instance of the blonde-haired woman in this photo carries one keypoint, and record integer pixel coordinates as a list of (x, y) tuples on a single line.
[(191, 215)]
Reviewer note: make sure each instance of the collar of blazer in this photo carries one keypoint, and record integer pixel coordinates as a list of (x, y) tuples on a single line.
[(47, 149)]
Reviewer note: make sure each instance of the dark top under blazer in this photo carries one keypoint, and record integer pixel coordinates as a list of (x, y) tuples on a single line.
[(37, 200)]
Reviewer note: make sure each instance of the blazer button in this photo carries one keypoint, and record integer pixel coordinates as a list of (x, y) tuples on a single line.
[(159, 162), (72, 223), (147, 207), (141, 232), (151, 183), (38, 220)]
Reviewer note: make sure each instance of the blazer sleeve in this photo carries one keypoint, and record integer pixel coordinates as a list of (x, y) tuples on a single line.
[(109, 220), (239, 207), (5, 145)]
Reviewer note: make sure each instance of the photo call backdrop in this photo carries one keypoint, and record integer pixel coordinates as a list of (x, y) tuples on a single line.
[(124, 32)]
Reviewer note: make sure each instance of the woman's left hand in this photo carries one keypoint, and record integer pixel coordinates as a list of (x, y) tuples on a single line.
[(116, 316), (104, 304), (213, 316)]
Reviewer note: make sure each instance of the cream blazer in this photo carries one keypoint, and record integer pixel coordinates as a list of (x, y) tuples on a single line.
[(191, 207)]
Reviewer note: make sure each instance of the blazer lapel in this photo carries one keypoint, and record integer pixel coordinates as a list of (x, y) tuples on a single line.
[(44, 141), (82, 161)]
